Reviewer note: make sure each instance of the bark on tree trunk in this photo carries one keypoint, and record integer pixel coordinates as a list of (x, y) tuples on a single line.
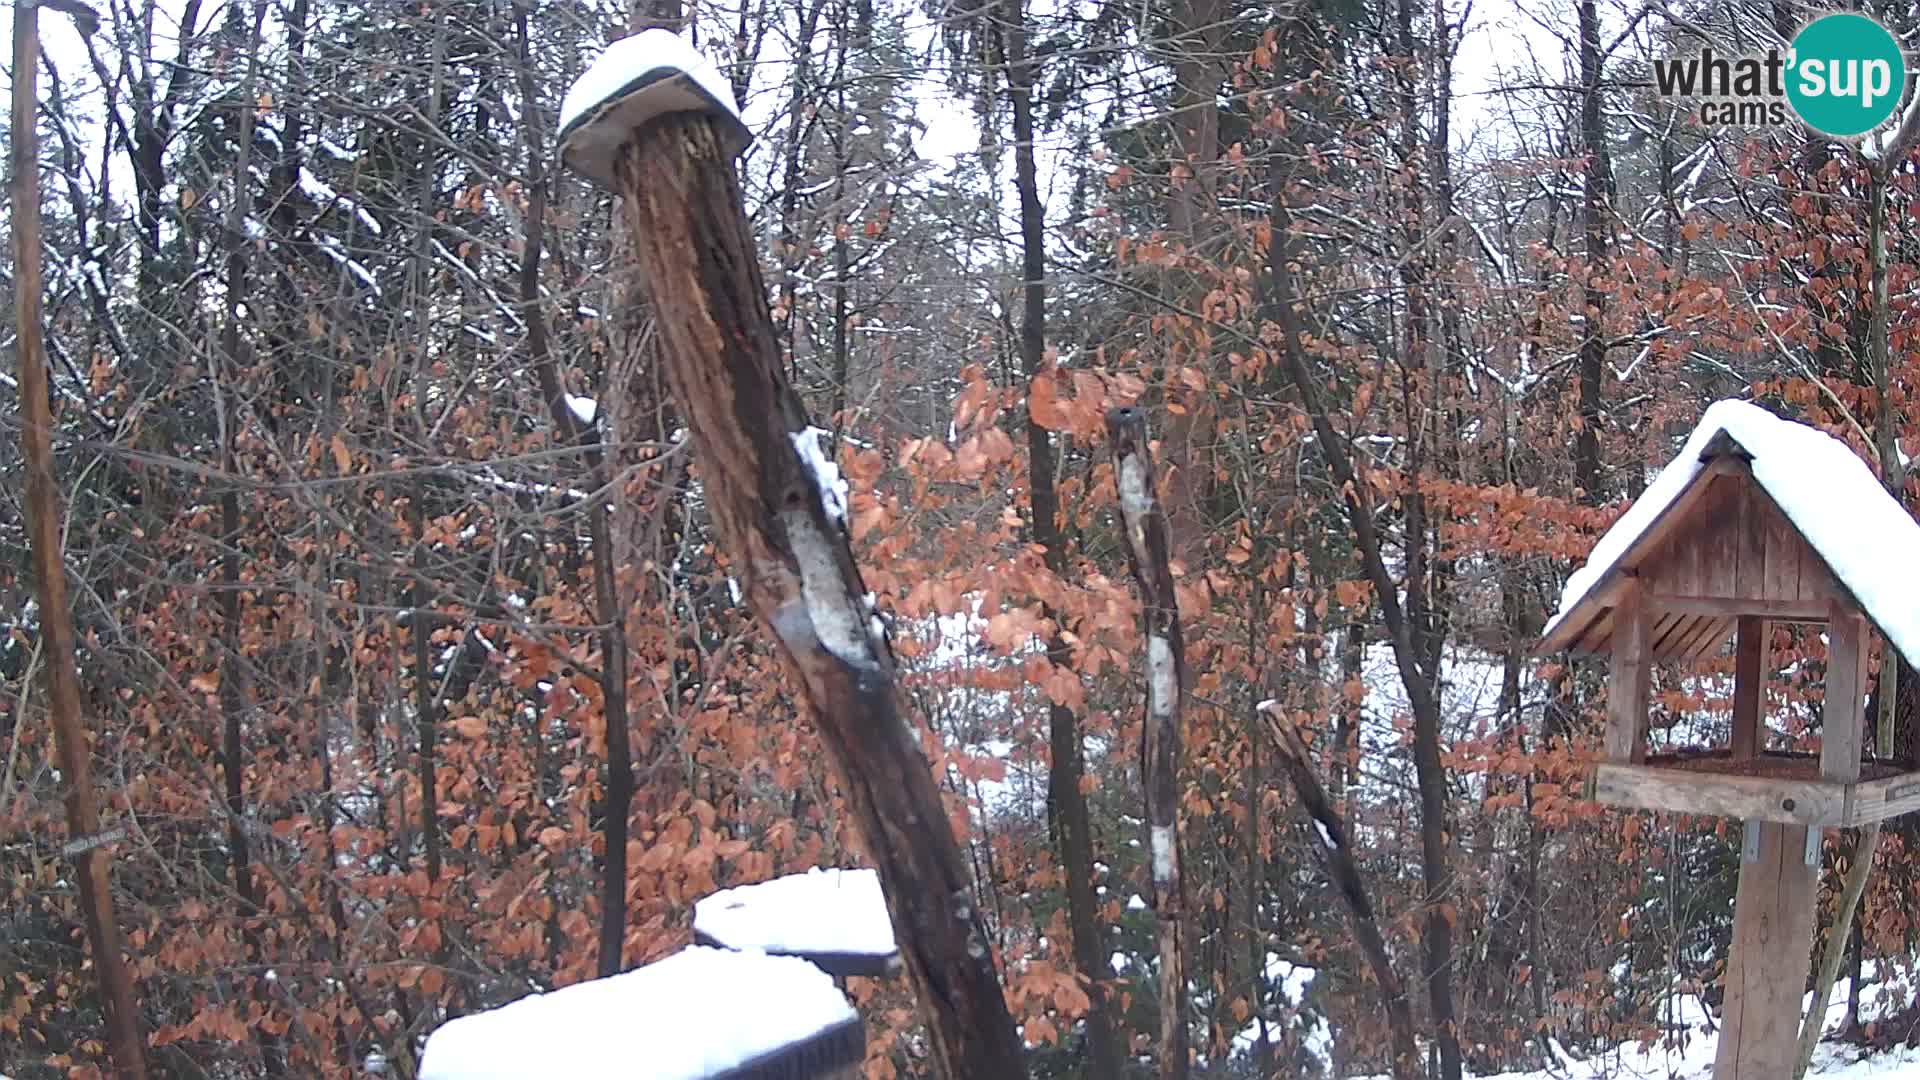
[(1429, 769), (606, 595), (86, 846), (1893, 475), (1593, 343), (1066, 802), (232, 705), (1330, 830), (780, 521), (1148, 552)]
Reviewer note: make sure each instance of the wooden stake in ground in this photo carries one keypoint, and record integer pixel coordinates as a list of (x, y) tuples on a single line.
[(86, 845), (779, 507), (1147, 551)]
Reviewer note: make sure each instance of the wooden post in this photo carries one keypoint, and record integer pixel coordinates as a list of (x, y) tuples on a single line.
[(778, 513), (1749, 687), (1767, 962), (1843, 714), (1631, 678), (86, 844), (1147, 550)]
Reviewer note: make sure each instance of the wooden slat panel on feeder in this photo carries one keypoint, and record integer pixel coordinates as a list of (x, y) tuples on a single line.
[(1701, 636), (1785, 555), (1599, 633), (1751, 540), (1712, 640), (1669, 629), (1750, 687)]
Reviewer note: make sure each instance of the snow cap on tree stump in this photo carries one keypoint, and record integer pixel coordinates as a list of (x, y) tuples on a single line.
[(636, 79), (700, 1014), (835, 918)]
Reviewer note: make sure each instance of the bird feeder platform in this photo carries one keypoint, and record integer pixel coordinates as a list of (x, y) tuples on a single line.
[(1758, 521)]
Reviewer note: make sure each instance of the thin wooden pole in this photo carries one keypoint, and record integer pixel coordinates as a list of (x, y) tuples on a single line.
[(779, 514), (1148, 546), (86, 845)]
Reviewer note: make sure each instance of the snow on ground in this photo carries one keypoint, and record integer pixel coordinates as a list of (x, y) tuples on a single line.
[(1292, 980), (697, 1013), (820, 911), (1696, 1037)]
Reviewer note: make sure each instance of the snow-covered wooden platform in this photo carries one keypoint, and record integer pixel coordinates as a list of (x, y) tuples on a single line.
[(835, 918), (700, 1014)]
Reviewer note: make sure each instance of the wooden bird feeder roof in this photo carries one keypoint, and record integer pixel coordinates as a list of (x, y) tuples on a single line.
[(1759, 520), (1757, 516)]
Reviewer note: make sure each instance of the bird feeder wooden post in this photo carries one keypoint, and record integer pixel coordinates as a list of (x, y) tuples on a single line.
[(652, 119), (1760, 521)]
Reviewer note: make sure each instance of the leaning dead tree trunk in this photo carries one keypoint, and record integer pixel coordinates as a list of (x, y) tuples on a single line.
[(1331, 831), (779, 509), (86, 844), (1148, 552)]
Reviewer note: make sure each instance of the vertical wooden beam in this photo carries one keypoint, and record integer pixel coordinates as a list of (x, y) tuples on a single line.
[(1843, 717), (1749, 686), (1767, 962), (1631, 679)]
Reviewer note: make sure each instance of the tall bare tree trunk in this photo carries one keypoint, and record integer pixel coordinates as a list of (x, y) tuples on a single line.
[(779, 517), (606, 595), (1594, 218), (1418, 681), (1893, 475), (1066, 802), (232, 702), (86, 844)]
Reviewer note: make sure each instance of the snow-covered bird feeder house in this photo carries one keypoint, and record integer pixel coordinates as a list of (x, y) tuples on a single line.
[(1759, 520), (836, 919), (700, 1014)]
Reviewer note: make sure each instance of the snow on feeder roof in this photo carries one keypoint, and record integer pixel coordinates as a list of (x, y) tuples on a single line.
[(636, 79), (835, 918), (1828, 495), (700, 1014)]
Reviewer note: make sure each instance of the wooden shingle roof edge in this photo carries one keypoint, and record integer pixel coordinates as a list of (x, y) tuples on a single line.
[(1826, 493)]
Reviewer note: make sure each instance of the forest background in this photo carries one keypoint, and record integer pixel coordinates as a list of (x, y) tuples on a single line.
[(362, 590)]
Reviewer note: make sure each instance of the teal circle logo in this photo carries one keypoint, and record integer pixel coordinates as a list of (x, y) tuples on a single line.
[(1845, 75)]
